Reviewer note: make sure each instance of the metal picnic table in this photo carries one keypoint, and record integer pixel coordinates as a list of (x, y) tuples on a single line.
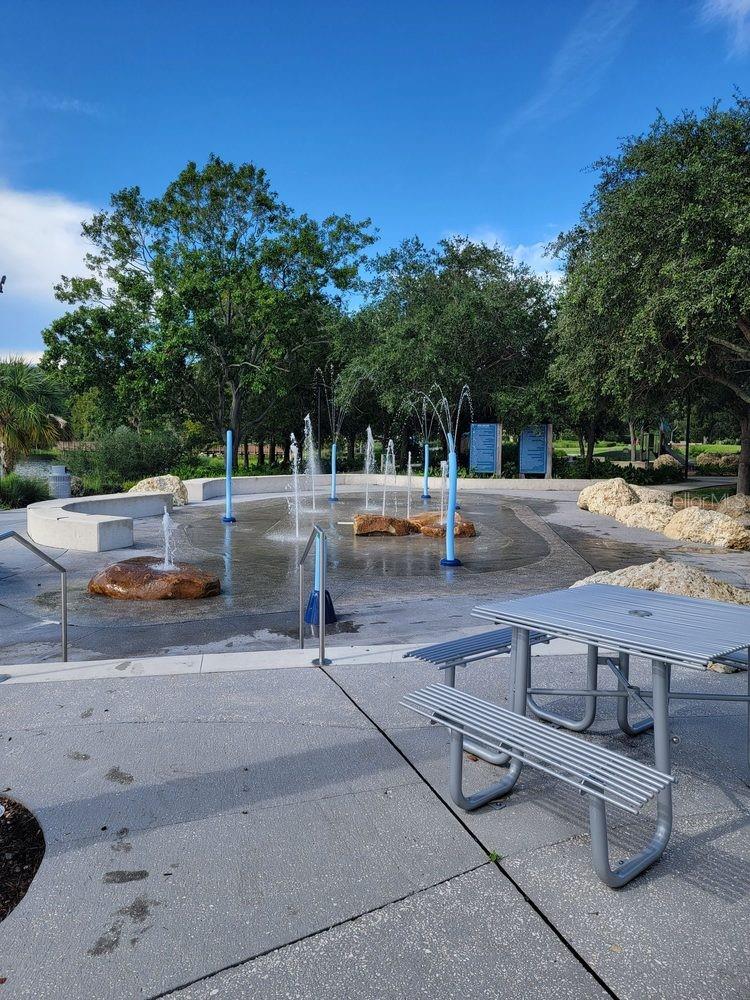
[(666, 629)]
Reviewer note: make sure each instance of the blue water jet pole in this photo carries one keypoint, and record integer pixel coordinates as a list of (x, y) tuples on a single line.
[(450, 521), (426, 474), (333, 472), (228, 516)]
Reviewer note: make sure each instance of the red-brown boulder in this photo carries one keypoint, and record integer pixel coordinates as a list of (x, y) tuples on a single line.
[(377, 524), (141, 579)]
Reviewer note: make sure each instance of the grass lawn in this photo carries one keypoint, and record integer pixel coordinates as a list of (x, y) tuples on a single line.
[(714, 494)]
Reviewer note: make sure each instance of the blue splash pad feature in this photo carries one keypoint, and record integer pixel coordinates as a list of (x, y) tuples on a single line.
[(312, 612), (451, 562)]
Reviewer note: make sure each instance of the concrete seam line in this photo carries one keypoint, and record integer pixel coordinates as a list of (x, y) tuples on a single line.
[(534, 906), (312, 934)]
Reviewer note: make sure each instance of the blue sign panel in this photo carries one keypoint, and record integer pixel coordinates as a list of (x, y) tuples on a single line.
[(483, 448), (532, 452)]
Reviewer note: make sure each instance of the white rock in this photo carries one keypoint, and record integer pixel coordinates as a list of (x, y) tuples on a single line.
[(648, 495), (737, 505), (163, 484), (607, 496), (667, 462), (692, 524), (652, 516), (678, 579)]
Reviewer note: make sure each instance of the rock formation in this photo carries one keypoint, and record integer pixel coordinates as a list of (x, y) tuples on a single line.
[(163, 484), (141, 579), (607, 496), (377, 524), (692, 524), (667, 462), (646, 494), (737, 505), (652, 516)]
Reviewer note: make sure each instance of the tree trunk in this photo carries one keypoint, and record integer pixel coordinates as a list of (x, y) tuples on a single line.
[(351, 438), (261, 453), (590, 444), (287, 449), (246, 447), (581, 444), (743, 473), (235, 415), (272, 451), (633, 441)]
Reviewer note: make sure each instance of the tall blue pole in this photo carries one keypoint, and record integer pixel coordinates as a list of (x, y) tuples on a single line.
[(426, 475), (228, 516), (316, 584), (333, 472), (450, 521)]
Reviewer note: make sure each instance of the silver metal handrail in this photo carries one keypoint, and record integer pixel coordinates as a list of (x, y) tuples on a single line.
[(317, 532), (63, 583)]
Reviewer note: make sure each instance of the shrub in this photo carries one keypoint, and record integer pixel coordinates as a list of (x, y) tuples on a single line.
[(125, 455), (19, 491), (602, 468)]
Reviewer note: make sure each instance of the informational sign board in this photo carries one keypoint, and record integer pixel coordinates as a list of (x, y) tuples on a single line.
[(485, 444), (534, 450)]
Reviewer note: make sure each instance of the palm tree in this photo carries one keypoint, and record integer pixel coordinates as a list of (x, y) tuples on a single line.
[(29, 398)]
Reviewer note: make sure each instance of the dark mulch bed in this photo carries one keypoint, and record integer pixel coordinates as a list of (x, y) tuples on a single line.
[(21, 853)]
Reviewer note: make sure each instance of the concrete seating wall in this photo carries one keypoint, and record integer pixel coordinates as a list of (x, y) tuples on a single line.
[(92, 524)]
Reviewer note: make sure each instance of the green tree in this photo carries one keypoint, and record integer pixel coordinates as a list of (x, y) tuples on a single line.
[(661, 259), (30, 401), (464, 313), (201, 297)]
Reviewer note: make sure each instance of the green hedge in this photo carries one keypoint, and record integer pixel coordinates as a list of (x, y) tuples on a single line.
[(19, 491)]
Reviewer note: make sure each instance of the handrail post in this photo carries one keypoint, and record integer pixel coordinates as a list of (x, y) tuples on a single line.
[(64, 615), (322, 661), (301, 603)]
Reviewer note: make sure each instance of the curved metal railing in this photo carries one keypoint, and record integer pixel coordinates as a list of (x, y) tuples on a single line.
[(316, 533), (63, 583)]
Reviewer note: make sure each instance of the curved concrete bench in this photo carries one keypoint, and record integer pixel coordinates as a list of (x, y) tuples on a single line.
[(209, 489), (92, 524)]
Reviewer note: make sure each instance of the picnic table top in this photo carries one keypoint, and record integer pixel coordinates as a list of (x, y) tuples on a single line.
[(680, 630)]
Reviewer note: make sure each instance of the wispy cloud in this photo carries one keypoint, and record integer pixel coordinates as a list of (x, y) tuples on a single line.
[(531, 254), (734, 15), (54, 103), (40, 239), (578, 67)]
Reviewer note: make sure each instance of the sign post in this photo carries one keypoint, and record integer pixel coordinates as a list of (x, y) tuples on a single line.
[(535, 451), (485, 448)]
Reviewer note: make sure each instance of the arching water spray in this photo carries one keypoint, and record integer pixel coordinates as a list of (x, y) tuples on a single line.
[(312, 466), (389, 470), (369, 464)]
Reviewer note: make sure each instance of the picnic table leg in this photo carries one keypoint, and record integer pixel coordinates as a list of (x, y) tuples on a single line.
[(520, 654), (589, 714), (663, 761), (628, 727), (470, 745)]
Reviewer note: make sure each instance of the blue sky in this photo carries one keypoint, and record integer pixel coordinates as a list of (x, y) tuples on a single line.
[(428, 116)]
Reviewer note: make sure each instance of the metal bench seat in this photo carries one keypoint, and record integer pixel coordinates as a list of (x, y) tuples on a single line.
[(601, 774), (459, 652)]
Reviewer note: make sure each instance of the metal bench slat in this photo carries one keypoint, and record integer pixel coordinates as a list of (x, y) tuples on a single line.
[(471, 645), (589, 757), (621, 781), (585, 768), (548, 735)]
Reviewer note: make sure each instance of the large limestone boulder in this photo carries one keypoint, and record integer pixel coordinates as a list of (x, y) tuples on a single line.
[(671, 578), (607, 496), (692, 524), (667, 462), (678, 579), (163, 484), (646, 494), (652, 516), (727, 463), (377, 524), (142, 579), (736, 506)]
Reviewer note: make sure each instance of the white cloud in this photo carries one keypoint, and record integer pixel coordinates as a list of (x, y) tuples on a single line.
[(33, 356), (39, 101), (735, 16), (579, 65), (531, 254), (40, 239)]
